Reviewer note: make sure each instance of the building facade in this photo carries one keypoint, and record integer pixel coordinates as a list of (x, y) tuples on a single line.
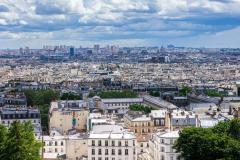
[(161, 146), (111, 142)]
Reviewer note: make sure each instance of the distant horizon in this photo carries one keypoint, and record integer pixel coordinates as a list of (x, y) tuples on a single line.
[(190, 23), (103, 46)]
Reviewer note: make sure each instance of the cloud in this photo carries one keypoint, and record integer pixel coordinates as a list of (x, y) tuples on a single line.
[(3, 8), (116, 20)]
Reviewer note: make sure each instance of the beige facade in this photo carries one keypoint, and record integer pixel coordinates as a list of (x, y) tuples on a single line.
[(140, 126), (76, 148), (62, 119)]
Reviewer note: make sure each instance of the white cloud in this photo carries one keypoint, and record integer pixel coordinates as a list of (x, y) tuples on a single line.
[(116, 19)]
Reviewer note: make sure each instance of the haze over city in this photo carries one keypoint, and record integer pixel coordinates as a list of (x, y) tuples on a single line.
[(190, 23)]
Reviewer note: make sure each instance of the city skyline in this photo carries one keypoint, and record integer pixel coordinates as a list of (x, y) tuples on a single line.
[(207, 23)]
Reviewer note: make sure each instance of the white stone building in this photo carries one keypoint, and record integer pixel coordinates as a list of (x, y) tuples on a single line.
[(161, 146), (111, 142)]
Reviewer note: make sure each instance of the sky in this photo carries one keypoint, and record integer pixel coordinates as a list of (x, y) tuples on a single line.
[(190, 23)]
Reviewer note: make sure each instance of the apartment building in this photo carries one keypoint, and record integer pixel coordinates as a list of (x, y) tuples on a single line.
[(54, 146), (13, 99), (138, 123), (58, 146), (9, 115), (111, 142), (67, 117), (161, 146)]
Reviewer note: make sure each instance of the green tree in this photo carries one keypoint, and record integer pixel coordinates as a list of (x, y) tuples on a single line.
[(3, 138), (218, 142), (154, 93), (138, 107), (42, 99), (234, 129), (185, 90), (71, 96), (21, 143)]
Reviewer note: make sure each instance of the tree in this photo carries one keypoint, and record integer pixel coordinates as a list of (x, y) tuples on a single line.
[(20, 143), (115, 94), (71, 96), (42, 99), (218, 142), (234, 129), (185, 90), (3, 138), (154, 93), (138, 107)]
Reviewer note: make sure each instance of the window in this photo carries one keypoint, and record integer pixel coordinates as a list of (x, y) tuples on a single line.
[(93, 158), (177, 121), (141, 144), (99, 151), (99, 158), (162, 149), (106, 151), (171, 141), (93, 151), (106, 158), (106, 143), (113, 143), (162, 140), (162, 122), (162, 157), (113, 151), (126, 143), (50, 143), (99, 143), (44, 150), (171, 157), (133, 143), (119, 152), (119, 143), (93, 143), (61, 143), (55, 143), (126, 151), (142, 130), (56, 150)]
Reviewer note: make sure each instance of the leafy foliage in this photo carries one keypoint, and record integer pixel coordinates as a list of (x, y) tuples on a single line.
[(115, 94), (71, 96), (42, 99), (154, 93), (138, 107), (185, 90), (214, 93), (219, 142), (18, 142)]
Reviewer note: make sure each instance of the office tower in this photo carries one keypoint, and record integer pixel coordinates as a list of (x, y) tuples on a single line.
[(71, 52)]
